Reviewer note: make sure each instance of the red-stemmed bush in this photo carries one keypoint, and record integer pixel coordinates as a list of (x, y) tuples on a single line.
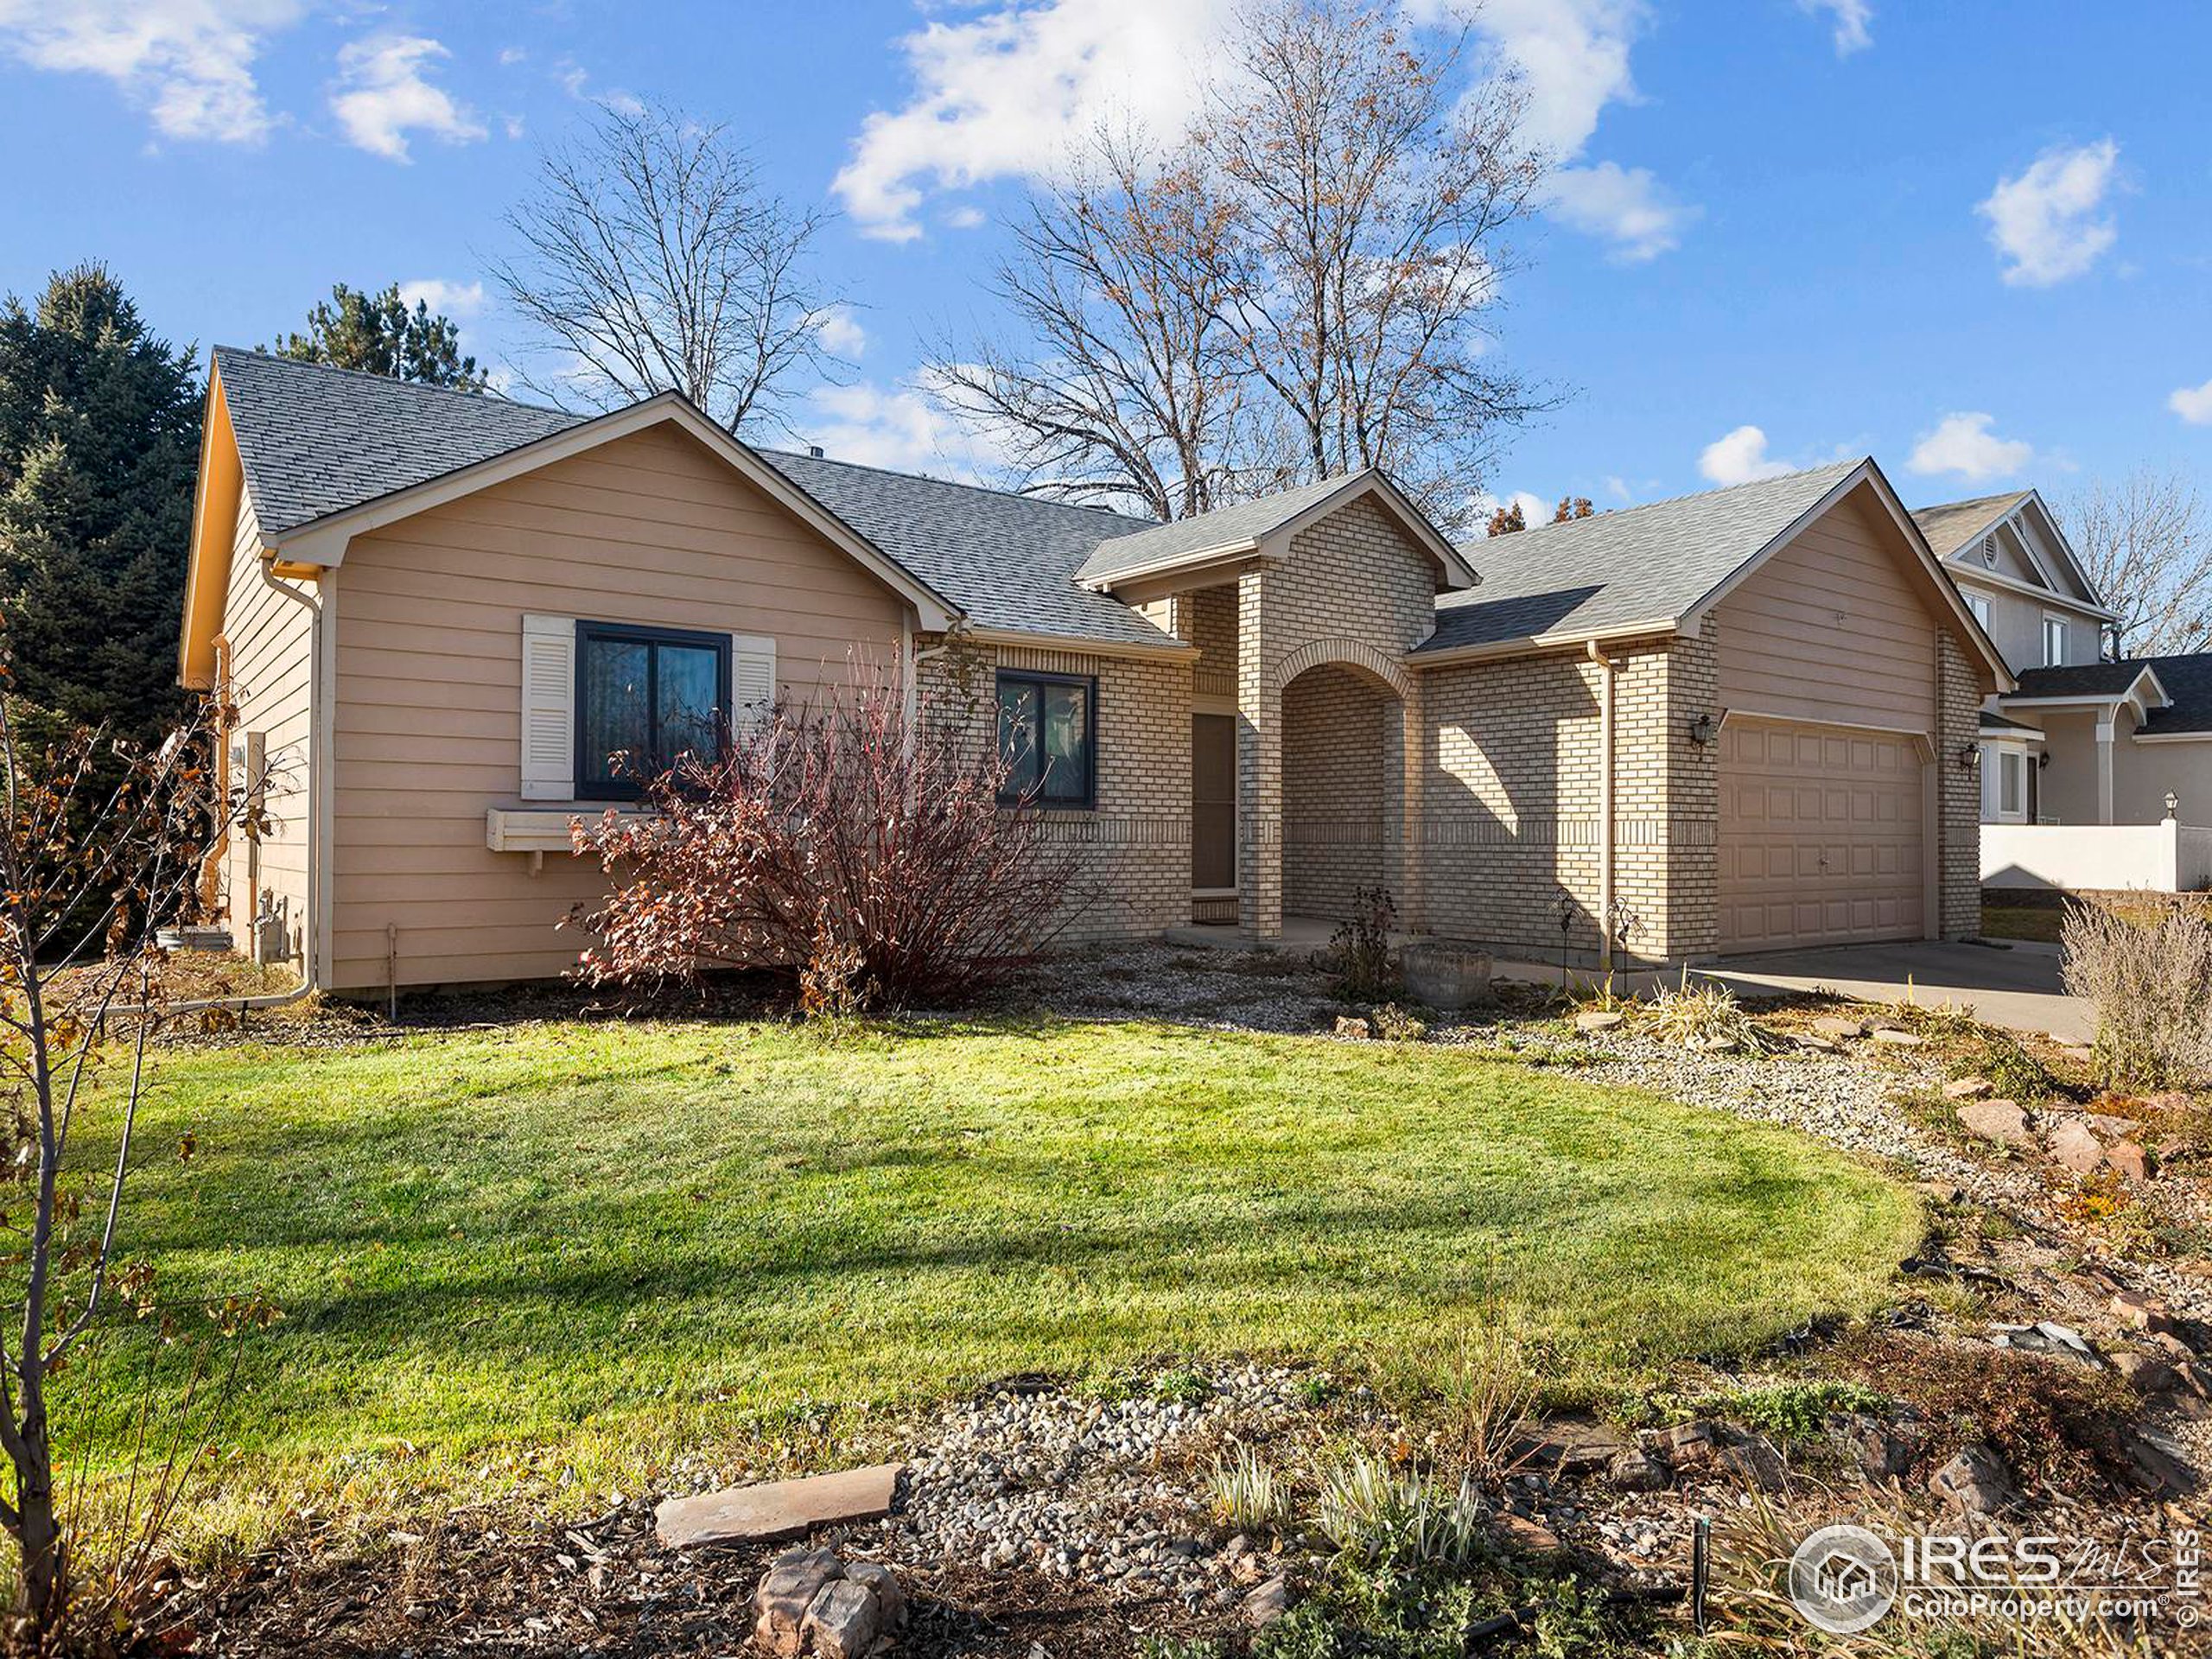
[(862, 851)]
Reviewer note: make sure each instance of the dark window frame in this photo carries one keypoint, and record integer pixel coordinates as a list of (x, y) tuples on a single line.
[(1004, 676), (630, 789)]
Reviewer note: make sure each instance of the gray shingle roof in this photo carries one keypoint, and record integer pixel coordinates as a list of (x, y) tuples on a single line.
[(2082, 679), (2188, 681), (1639, 565), (315, 439), (1951, 525), (1247, 521), (1008, 560)]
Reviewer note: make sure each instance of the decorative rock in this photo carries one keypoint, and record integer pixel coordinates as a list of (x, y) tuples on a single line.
[(785, 1593), (1941, 1192), (2142, 1312), (882, 1583), (1268, 1602), (2113, 1127), (1446, 975), (1574, 1447), (843, 1621), (1881, 1455), (1976, 1481), (1637, 1470), (2060, 1341), (2146, 1373), (1693, 1445), (1998, 1120), (1754, 1462), (2158, 1464), (2128, 1158), (1353, 1026), (1967, 1089), (2074, 1144), (777, 1508), (1836, 1026), (1818, 1045), (1599, 1019), (1892, 1037), (1533, 1536)]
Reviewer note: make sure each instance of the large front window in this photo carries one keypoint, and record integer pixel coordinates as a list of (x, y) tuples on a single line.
[(645, 696), (1047, 735)]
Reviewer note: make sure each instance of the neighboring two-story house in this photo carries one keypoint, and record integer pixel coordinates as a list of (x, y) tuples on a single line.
[(2087, 738)]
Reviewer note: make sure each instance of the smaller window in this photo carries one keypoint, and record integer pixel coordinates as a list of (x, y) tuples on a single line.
[(2054, 641), (2013, 787), (645, 697), (1978, 604), (1048, 729)]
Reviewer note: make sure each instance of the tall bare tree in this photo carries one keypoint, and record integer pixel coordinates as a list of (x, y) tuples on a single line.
[(1305, 282), (653, 259), (1375, 203), (1126, 389), (2148, 546)]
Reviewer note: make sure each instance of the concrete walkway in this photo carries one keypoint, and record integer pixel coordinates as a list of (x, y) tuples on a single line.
[(2016, 987)]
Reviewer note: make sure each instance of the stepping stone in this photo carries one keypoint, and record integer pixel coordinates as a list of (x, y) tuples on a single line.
[(2074, 1144), (1805, 1040), (1599, 1020), (1896, 1039), (777, 1508), (1834, 1024), (1998, 1120), (1967, 1089)]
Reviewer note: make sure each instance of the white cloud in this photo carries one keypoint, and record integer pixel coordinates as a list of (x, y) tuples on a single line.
[(2046, 221), (2193, 403), (1740, 457), (577, 83), (382, 94), (901, 428), (840, 333), (1625, 205), (1004, 94), (459, 300), (187, 63), (1962, 444), (1535, 510), (1853, 18)]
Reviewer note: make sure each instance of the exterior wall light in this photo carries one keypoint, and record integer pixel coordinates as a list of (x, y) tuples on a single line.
[(1970, 757), (2173, 804), (1702, 730)]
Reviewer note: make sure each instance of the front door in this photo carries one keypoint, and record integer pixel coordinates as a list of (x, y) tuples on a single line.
[(1213, 803)]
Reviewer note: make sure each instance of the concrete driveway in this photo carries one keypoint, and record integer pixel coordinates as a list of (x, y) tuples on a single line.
[(2016, 988)]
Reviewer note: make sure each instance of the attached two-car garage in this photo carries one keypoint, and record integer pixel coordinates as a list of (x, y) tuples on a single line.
[(1822, 836)]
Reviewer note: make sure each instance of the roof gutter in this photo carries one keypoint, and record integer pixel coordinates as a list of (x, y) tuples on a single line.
[(1197, 559), (1525, 645), (1168, 649)]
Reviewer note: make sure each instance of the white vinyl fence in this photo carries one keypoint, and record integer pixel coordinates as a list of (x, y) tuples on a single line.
[(2168, 857)]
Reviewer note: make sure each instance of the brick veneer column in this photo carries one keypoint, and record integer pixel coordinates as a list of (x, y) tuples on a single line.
[(1958, 794), (1259, 760)]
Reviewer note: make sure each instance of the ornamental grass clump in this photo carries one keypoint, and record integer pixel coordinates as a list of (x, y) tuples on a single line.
[(2150, 981), (875, 857)]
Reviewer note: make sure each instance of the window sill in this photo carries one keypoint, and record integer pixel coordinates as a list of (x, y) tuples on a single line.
[(541, 829)]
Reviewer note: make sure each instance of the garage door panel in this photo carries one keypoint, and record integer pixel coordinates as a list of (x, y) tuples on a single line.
[(1820, 836)]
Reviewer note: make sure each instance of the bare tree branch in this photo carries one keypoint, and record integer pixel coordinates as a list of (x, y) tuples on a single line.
[(2146, 544)]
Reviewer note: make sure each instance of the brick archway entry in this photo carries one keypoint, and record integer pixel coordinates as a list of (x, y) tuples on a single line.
[(1343, 716)]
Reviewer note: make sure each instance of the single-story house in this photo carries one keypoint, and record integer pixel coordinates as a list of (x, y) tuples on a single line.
[(2086, 740), (1732, 721)]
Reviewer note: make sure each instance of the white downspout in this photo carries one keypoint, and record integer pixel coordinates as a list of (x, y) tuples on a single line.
[(1608, 670), (319, 721)]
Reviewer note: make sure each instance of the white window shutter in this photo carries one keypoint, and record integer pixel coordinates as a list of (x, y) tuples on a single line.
[(548, 712), (752, 678)]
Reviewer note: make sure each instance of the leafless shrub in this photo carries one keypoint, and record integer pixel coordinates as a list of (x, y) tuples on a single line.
[(2150, 981), (868, 854)]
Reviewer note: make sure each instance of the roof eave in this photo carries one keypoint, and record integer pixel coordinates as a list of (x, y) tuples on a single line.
[(1166, 648), (1565, 638)]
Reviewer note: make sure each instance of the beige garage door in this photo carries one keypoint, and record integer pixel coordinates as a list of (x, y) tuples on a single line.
[(1820, 836)]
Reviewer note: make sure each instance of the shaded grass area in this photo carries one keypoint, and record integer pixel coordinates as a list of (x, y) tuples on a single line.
[(2037, 922), (605, 1242)]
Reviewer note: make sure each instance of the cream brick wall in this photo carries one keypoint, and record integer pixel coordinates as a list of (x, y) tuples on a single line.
[(1136, 845), (1958, 794), (1353, 590), (1340, 736), (1511, 791)]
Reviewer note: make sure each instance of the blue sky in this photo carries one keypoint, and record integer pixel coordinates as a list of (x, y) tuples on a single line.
[(1975, 240)]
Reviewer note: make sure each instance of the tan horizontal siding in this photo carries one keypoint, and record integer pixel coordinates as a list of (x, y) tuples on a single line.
[(1836, 626), (651, 529)]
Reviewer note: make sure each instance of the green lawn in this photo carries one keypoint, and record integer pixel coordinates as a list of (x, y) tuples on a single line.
[(612, 1241)]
